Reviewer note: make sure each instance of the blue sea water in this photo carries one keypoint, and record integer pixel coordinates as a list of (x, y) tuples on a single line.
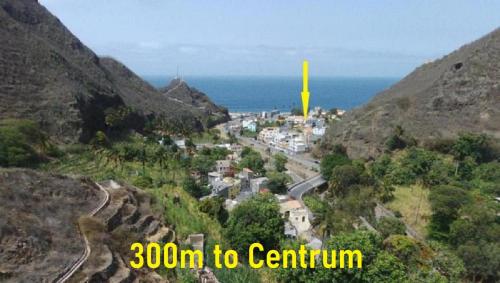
[(255, 94)]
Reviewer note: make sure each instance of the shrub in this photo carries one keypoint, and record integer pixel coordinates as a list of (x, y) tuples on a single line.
[(403, 247), (143, 182), (391, 226), (190, 186), (22, 144), (278, 182), (343, 177), (100, 140), (381, 166), (489, 172), (479, 147), (330, 161), (445, 201), (215, 208), (255, 220)]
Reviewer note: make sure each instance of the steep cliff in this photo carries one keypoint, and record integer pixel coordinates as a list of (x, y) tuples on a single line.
[(48, 75)]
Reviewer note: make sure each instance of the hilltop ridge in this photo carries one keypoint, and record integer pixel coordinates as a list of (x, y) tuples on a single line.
[(48, 75), (439, 100)]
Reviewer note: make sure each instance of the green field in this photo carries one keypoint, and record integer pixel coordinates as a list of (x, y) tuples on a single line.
[(413, 204)]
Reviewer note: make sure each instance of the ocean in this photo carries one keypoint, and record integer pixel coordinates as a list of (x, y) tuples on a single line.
[(255, 94)]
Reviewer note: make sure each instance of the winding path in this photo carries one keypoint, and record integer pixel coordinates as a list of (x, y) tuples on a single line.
[(70, 270)]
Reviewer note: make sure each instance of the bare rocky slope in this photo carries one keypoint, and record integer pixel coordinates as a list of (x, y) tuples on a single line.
[(38, 232), (50, 76), (439, 100), (180, 91), (44, 218)]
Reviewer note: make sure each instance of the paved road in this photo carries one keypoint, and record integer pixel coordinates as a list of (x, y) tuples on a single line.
[(307, 162), (297, 190)]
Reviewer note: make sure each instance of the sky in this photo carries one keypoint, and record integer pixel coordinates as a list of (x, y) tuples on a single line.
[(383, 38)]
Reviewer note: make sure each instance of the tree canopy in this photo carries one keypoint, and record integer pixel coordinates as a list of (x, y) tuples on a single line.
[(255, 220)]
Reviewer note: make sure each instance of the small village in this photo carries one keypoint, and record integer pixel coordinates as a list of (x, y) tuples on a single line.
[(273, 133)]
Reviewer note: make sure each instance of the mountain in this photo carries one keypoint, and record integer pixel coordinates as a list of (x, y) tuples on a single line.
[(181, 92), (439, 100), (50, 76)]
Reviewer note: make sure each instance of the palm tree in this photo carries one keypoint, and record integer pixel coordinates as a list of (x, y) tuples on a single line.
[(161, 155), (176, 160)]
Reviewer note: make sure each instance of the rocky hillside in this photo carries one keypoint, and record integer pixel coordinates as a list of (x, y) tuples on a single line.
[(38, 225), (48, 75), (179, 91), (457, 93), (44, 220)]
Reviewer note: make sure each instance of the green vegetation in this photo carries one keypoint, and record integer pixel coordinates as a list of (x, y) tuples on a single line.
[(452, 187), (314, 203), (413, 204), (187, 216), (255, 220), (445, 192), (390, 226), (278, 182), (190, 185), (22, 144), (253, 160), (396, 259), (215, 208), (280, 161), (399, 140), (330, 161)]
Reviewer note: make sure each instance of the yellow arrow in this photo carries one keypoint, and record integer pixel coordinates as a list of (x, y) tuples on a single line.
[(305, 88)]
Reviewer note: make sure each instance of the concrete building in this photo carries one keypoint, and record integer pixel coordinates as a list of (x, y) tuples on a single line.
[(294, 212), (235, 188), (245, 176), (290, 231), (221, 189), (318, 131), (257, 184), (297, 145), (249, 125), (214, 176), (237, 148), (267, 134), (223, 167)]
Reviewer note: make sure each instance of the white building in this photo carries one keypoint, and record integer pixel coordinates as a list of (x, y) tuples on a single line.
[(318, 131), (294, 212), (180, 144), (267, 134), (249, 125), (213, 177), (297, 145)]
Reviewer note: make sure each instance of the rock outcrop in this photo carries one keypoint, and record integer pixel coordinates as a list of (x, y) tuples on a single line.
[(50, 76), (439, 100), (126, 219), (180, 91)]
